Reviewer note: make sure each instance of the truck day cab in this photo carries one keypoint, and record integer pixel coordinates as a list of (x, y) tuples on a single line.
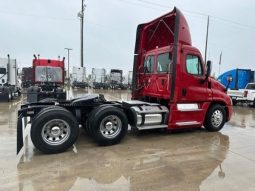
[(171, 89), (9, 86), (48, 80)]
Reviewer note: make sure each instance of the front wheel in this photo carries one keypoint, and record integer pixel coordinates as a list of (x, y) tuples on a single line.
[(215, 118), (234, 101), (54, 130), (108, 125)]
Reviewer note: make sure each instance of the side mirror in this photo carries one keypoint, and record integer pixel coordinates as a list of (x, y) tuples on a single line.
[(229, 79), (208, 69)]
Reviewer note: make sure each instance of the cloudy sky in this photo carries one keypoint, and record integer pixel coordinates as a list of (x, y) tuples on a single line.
[(46, 27)]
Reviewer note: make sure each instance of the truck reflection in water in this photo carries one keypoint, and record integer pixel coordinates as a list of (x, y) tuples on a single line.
[(243, 117), (150, 161)]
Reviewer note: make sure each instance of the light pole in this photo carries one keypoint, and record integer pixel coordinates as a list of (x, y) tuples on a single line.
[(68, 71), (81, 16)]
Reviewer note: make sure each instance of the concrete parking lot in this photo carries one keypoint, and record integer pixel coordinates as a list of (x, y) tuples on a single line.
[(151, 160)]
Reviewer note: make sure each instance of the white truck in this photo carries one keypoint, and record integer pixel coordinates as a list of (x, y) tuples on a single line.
[(237, 96), (79, 77), (9, 86), (250, 92), (246, 95), (99, 79)]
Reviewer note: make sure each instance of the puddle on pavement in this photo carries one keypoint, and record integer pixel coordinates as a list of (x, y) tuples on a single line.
[(195, 160)]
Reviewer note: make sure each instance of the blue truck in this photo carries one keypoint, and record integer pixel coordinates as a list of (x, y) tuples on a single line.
[(238, 89), (241, 77)]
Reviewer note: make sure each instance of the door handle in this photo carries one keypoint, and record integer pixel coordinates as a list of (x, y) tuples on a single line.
[(162, 82), (184, 91)]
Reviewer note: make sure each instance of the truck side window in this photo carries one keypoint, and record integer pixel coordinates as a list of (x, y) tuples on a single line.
[(250, 87), (164, 62), (193, 65), (2, 70), (148, 64)]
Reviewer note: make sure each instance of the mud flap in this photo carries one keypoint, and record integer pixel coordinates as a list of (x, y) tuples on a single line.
[(19, 134)]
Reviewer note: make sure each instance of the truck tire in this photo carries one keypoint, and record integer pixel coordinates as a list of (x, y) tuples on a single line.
[(12, 94), (234, 101), (54, 130), (48, 100), (215, 118), (107, 125), (9, 94)]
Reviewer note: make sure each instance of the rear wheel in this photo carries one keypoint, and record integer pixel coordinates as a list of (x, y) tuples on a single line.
[(215, 118), (108, 125), (54, 130)]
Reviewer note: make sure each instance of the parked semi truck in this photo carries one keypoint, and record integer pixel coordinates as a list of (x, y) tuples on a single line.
[(99, 79), (27, 77), (116, 79), (79, 77), (171, 90), (9, 86), (48, 80)]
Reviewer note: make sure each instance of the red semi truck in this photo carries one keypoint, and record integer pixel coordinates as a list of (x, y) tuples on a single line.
[(171, 90), (48, 80)]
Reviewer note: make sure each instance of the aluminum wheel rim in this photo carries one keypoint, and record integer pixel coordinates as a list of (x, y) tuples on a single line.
[(55, 132), (110, 126), (217, 118)]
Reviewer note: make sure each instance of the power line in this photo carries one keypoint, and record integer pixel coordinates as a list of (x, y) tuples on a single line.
[(37, 16), (152, 5), (195, 13)]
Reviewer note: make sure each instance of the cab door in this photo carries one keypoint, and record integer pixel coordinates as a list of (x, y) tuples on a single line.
[(194, 88), (163, 74), (149, 75)]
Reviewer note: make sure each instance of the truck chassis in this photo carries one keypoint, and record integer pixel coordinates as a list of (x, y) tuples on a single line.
[(55, 125)]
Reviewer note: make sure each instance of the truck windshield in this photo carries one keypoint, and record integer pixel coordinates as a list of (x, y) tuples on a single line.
[(250, 87), (2, 70), (48, 74), (163, 63), (148, 64), (116, 77)]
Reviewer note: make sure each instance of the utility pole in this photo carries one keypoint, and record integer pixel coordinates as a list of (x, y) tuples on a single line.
[(81, 16), (220, 62), (68, 71), (207, 32)]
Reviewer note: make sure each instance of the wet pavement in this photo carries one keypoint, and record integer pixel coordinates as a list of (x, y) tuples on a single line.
[(151, 160)]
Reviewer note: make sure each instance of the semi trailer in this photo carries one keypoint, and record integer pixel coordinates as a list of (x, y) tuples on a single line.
[(241, 77), (129, 79), (9, 87), (171, 89), (99, 79), (48, 80)]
